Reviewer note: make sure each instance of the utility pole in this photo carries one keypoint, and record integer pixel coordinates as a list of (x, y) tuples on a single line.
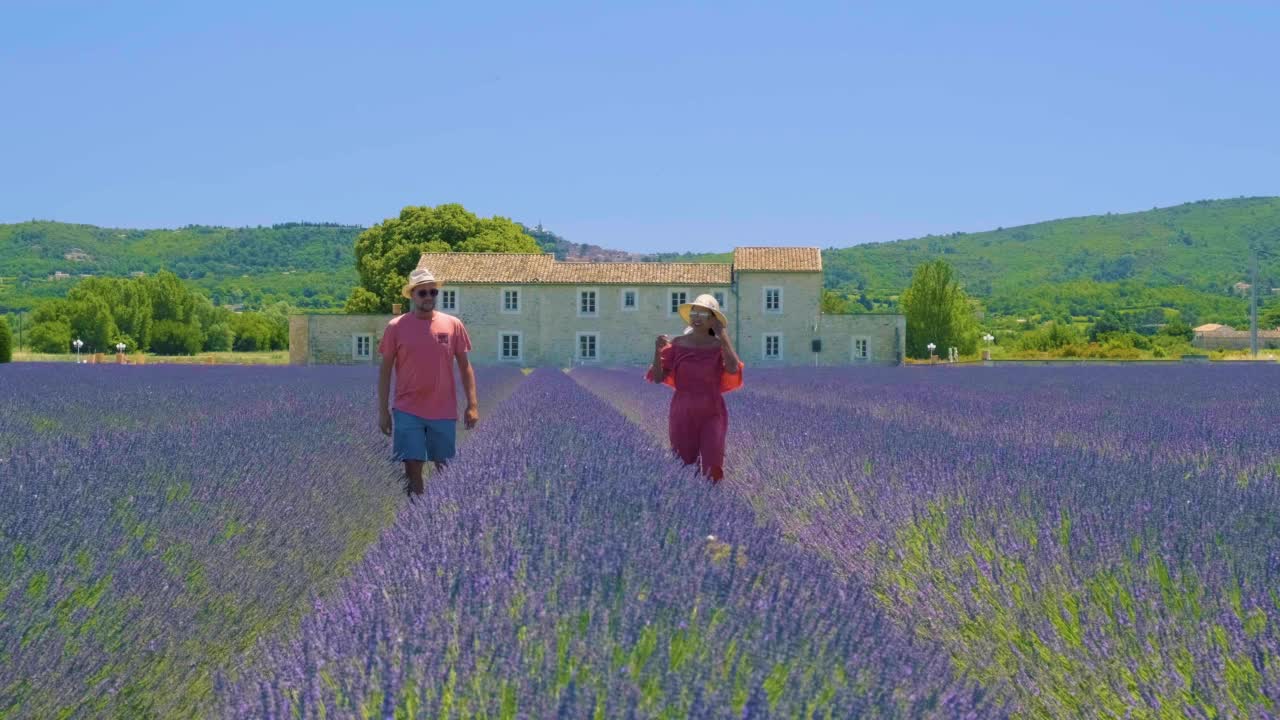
[(1253, 303)]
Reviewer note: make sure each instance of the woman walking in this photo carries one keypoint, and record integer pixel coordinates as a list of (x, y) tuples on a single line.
[(701, 364)]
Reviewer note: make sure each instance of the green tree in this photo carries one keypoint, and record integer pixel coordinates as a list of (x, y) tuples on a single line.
[(219, 338), (129, 304), (170, 299), (938, 311), (170, 337), (91, 321), (50, 336), (388, 251), (6, 341), (259, 331), (1269, 317), (362, 302), (1178, 329), (833, 303), (1050, 337), (1109, 323)]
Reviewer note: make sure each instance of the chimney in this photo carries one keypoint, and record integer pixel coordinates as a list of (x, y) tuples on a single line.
[(396, 308)]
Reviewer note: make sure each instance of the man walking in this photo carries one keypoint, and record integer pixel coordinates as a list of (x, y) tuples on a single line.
[(421, 346)]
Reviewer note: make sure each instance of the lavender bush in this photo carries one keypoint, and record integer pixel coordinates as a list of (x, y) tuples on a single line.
[(232, 542), (157, 520), (567, 566), (1098, 542)]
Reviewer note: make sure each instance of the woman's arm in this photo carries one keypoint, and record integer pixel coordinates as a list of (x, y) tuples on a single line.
[(730, 356), (727, 353), (655, 370)]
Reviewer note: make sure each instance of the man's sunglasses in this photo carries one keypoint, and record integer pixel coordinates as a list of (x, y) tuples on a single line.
[(424, 293)]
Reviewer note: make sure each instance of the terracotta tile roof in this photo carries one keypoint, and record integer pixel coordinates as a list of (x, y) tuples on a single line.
[(641, 273), (531, 268), (778, 259), (488, 267)]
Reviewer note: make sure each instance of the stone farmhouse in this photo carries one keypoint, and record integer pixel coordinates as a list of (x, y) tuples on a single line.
[(533, 310), (1224, 337)]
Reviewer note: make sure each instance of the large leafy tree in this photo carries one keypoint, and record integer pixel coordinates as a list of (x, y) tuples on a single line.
[(6, 340), (388, 251), (938, 311)]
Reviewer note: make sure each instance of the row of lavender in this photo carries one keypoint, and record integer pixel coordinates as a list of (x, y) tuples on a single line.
[(157, 520), (1100, 543), (567, 566)]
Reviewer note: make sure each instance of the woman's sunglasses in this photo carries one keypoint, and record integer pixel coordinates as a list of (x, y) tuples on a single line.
[(428, 292)]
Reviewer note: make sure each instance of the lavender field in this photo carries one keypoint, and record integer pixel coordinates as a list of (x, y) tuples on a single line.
[(1034, 542)]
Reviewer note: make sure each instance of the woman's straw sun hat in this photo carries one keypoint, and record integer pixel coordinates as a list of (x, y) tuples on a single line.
[(706, 302)]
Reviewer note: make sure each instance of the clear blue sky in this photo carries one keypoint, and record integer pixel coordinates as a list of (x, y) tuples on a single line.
[(656, 126)]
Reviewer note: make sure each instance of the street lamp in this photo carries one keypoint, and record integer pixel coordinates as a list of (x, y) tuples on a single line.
[(120, 351), (77, 343), (931, 347), (988, 337)]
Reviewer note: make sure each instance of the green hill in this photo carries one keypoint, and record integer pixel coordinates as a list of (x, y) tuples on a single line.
[(1187, 257), (309, 265)]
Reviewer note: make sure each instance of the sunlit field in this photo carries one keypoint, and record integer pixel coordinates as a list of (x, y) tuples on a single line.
[(234, 542)]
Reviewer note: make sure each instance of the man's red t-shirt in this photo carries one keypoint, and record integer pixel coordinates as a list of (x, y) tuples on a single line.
[(424, 354)]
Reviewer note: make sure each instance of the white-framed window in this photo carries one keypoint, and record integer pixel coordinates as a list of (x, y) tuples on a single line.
[(510, 301), (361, 346), (588, 305), (587, 346), (861, 349), (449, 300), (511, 346), (630, 299), (678, 298), (773, 346), (721, 298), (773, 299)]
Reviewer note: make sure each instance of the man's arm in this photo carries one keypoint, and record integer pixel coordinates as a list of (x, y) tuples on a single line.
[(384, 393), (469, 387)]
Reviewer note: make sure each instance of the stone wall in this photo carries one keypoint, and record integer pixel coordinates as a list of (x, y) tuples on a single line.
[(330, 339), (796, 321), (884, 337), (1236, 340)]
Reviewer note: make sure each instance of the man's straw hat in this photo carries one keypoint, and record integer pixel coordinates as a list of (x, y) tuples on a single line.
[(706, 302), (421, 276)]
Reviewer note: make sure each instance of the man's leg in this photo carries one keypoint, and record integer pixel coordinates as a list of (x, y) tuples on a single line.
[(410, 445), (441, 442), (413, 471)]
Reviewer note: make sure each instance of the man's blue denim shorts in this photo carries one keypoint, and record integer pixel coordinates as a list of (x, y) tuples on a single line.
[(420, 439)]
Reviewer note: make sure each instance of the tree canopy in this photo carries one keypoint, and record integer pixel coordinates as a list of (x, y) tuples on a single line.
[(387, 252), (938, 311), (6, 340), (159, 314)]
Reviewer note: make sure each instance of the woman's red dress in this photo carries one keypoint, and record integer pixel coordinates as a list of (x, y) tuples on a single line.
[(698, 420)]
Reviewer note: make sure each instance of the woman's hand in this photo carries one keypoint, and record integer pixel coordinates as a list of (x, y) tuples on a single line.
[(721, 333)]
